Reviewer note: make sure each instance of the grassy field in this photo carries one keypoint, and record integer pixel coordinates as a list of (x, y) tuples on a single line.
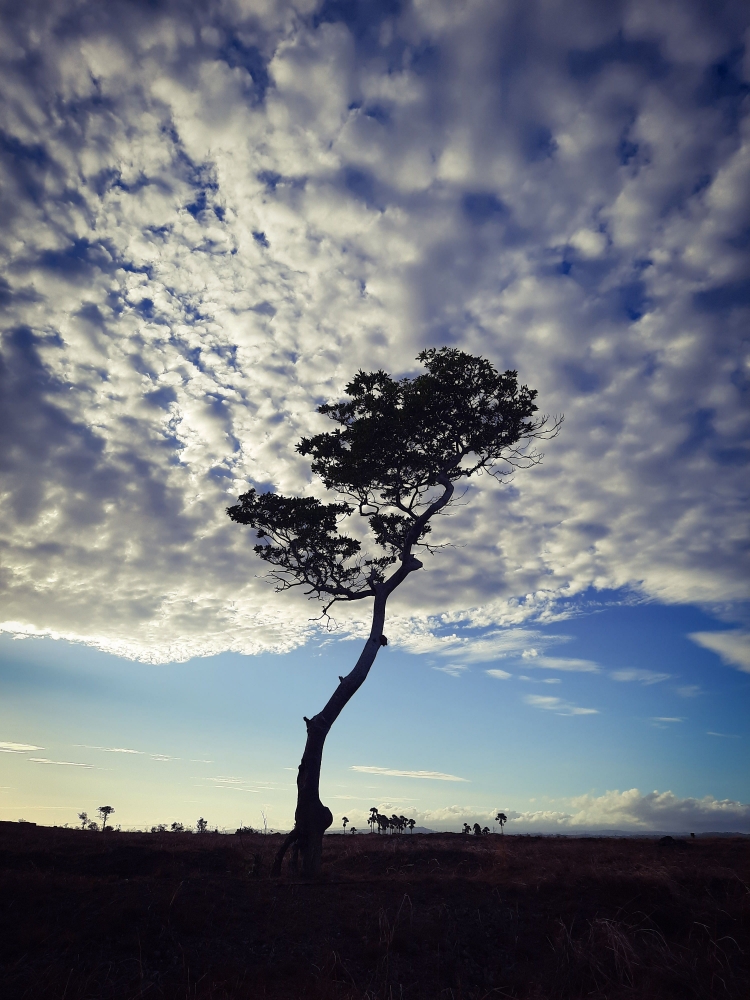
[(125, 915)]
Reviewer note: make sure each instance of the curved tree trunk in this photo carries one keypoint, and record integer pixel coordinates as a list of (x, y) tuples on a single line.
[(311, 817)]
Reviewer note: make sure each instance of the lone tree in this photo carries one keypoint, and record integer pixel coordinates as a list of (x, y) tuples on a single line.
[(105, 812), (502, 819), (395, 456)]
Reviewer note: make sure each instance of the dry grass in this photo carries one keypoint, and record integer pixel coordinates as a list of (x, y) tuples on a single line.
[(121, 916)]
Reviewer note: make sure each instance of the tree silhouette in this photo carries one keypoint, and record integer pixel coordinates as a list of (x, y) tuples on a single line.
[(477, 830), (411, 825), (399, 448), (345, 820), (502, 819), (105, 812), (373, 818), (485, 831), (202, 825), (466, 829), (84, 818)]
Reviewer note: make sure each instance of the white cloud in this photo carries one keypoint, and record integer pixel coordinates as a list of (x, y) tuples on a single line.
[(233, 783), (733, 646), (203, 240), (17, 747), (63, 763), (431, 775), (646, 677), (453, 669), (127, 750), (726, 736), (557, 705), (465, 645), (566, 665), (689, 690), (501, 675), (630, 810), (667, 718)]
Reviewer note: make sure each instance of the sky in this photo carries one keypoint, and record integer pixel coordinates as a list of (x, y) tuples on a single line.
[(211, 216)]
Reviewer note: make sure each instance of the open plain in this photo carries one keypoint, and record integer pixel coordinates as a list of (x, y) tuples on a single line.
[(86, 915)]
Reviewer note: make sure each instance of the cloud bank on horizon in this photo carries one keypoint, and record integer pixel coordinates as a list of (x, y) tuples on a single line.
[(629, 811), (213, 215)]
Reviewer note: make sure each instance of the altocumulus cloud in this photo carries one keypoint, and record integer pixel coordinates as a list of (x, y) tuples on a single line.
[(213, 214)]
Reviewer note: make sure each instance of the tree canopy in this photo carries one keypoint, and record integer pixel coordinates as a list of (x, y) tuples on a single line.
[(398, 448)]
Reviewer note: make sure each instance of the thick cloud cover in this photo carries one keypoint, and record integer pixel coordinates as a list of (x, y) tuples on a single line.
[(213, 214)]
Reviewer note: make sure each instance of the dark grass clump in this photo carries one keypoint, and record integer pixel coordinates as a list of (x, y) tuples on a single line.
[(86, 916)]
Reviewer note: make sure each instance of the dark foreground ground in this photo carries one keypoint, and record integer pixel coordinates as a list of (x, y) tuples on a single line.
[(117, 915)]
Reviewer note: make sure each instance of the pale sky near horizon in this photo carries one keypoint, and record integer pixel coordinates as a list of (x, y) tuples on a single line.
[(211, 216)]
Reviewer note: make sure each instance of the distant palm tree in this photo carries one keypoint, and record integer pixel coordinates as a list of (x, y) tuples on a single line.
[(202, 825), (477, 830), (485, 831), (467, 828), (345, 820), (84, 818), (353, 830), (502, 819), (411, 825), (373, 818)]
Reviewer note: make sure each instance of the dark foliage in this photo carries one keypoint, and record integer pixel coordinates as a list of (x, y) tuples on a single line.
[(398, 444)]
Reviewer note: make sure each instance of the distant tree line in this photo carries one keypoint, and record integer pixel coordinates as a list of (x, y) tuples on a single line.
[(105, 812), (377, 821), (389, 824), (201, 826), (397, 824)]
